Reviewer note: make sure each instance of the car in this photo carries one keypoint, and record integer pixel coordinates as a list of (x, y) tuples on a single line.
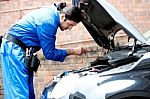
[(122, 73)]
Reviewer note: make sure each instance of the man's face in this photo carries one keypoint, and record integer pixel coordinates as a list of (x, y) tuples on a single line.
[(66, 24)]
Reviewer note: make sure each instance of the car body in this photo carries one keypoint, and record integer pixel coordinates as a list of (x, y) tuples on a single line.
[(122, 73)]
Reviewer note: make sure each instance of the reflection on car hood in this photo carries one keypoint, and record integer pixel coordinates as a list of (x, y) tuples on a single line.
[(103, 21)]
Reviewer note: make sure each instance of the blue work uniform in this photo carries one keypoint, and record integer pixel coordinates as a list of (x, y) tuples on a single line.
[(38, 28)]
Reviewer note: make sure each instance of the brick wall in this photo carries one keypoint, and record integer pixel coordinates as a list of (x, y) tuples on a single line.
[(137, 11)]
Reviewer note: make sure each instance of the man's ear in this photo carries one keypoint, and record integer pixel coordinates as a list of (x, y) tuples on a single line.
[(62, 17)]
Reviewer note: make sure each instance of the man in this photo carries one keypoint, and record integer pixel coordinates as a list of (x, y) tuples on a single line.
[(37, 29)]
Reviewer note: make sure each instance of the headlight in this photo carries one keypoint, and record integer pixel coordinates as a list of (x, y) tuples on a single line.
[(64, 86)]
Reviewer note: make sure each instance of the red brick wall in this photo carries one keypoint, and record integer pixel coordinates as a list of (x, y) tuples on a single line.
[(137, 11)]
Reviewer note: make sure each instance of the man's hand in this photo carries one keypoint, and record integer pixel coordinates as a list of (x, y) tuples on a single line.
[(76, 51), (79, 51)]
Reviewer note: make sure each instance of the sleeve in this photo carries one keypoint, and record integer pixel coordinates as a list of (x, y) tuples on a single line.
[(46, 33)]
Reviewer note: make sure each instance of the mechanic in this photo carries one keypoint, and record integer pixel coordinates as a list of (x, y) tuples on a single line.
[(37, 29)]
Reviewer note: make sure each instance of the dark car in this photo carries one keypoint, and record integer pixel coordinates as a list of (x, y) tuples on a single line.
[(122, 73)]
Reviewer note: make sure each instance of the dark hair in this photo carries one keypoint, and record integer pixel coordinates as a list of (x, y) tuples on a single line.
[(60, 6), (73, 13)]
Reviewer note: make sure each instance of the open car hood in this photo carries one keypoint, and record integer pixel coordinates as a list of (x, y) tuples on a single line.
[(103, 21)]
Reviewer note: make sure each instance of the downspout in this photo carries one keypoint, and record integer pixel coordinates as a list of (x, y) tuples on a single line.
[(19, 11), (75, 42), (15, 10)]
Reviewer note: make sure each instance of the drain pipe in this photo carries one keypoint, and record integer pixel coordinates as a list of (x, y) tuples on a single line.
[(19, 11), (75, 42)]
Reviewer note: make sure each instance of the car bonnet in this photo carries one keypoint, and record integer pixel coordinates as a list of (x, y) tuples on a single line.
[(103, 21)]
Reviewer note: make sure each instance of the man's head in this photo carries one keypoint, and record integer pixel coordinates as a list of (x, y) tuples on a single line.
[(69, 17)]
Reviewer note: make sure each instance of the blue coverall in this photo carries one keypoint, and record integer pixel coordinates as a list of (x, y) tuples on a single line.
[(38, 28)]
